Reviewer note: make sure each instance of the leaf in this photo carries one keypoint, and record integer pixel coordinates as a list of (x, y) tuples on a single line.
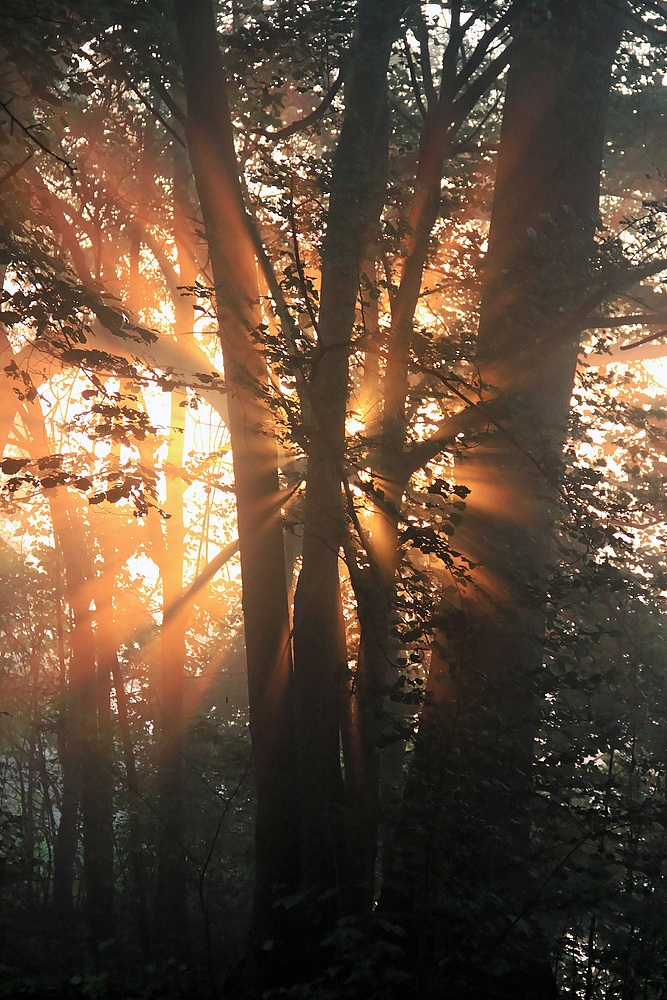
[(116, 493), (49, 462), (11, 466), (9, 318)]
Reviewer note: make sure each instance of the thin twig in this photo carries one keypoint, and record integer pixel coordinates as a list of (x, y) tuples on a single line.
[(15, 169), (297, 256), (644, 340), (28, 129), (310, 119), (413, 78)]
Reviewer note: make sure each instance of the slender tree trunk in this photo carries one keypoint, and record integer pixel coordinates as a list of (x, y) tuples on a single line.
[(88, 738), (321, 674), (171, 895), (64, 851), (87, 727), (375, 587), (108, 657), (170, 901), (265, 607)]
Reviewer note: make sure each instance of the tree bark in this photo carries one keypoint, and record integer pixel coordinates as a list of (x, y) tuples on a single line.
[(321, 672), (86, 733), (466, 819), (375, 587), (265, 606), (89, 738)]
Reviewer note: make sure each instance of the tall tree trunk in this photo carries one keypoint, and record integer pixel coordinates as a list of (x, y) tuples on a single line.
[(64, 851), (265, 607), (467, 812), (88, 735), (108, 637), (321, 672), (375, 587), (87, 725), (171, 888), (171, 884)]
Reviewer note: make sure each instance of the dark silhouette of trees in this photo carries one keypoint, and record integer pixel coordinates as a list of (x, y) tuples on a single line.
[(314, 287)]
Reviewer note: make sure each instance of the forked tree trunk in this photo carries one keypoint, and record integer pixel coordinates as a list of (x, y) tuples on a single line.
[(461, 87)]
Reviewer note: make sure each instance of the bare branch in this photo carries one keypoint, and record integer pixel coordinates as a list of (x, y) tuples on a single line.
[(479, 52), (15, 169), (421, 34), (129, 80), (156, 114), (464, 104), (644, 340), (422, 452), (28, 130), (310, 119), (621, 281), (297, 256), (268, 272), (637, 319), (188, 597), (176, 110), (413, 78)]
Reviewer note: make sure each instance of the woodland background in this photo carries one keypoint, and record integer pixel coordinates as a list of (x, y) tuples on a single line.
[(332, 507)]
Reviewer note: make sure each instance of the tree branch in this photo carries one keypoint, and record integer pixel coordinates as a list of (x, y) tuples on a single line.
[(579, 318), (422, 452), (176, 110), (28, 131), (147, 104), (644, 340), (190, 594), (15, 169), (310, 119), (636, 319), (476, 57), (297, 257), (413, 78), (464, 104), (421, 34)]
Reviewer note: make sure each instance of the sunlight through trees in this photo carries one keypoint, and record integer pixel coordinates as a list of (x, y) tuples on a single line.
[(332, 643)]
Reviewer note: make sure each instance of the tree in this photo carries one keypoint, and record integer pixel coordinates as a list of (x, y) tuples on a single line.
[(485, 677), (332, 832), (265, 608)]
